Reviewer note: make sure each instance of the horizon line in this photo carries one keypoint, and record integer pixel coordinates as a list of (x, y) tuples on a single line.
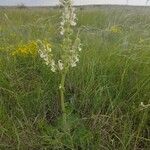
[(74, 5)]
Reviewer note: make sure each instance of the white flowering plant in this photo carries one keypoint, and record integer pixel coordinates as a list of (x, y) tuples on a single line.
[(70, 50)]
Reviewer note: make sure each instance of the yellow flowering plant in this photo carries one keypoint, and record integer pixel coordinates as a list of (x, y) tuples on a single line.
[(29, 49), (115, 29)]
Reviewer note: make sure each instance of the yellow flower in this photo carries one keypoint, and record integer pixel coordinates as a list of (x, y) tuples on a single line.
[(115, 29), (26, 49)]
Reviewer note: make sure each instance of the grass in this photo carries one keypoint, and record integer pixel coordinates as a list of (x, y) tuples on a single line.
[(103, 94)]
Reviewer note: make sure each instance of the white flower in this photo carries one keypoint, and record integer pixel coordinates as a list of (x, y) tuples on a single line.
[(42, 55), (45, 53), (68, 16), (69, 19), (79, 47), (62, 23), (76, 58), (60, 65), (62, 32), (47, 63), (70, 48), (144, 106), (73, 64), (46, 59), (60, 86), (73, 23), (53, 66)]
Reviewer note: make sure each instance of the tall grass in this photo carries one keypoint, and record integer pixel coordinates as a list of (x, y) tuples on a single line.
[(104, 92)]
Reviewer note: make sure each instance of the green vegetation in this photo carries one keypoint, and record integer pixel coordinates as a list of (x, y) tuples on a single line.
[(103, 94)]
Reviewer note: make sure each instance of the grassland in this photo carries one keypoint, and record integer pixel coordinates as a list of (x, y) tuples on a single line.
[(103, 94)]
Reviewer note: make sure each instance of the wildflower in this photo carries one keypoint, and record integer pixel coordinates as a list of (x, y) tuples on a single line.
[(53, 66), (74, 60), (60, 86), (73, 17), (62, 31), (45, 53), (68, 16), (60, 65), (115, 29), (69, 54), (70, 48), (29, 49), (144, 106), (73, 63), (79, 47)]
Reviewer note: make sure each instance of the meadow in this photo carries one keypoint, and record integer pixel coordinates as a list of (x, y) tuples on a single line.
[(107, 95)]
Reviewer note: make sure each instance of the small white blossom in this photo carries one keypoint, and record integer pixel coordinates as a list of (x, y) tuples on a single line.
[(62, 32), (73, 23), (62, 23), (79, 47), (60, 86), (73, 64), (60, 65), (76, 58), (44, 55), (144, 106), (53, 66)]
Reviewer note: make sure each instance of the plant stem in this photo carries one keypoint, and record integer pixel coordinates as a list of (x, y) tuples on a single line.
[(62, 99)]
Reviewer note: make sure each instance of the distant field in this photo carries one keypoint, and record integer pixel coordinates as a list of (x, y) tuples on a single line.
[(106, 92)]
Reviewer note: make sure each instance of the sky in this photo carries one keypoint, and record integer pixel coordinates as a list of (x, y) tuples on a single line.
[(76, 2)]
